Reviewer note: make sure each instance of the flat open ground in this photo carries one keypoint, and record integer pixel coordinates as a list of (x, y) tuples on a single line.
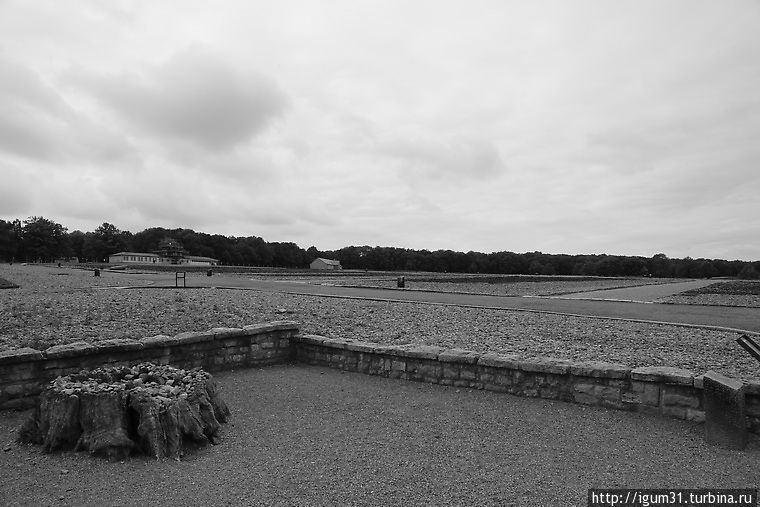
[(64, 305), (315, 436)]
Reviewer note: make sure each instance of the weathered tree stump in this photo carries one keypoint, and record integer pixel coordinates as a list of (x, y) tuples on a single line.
[(116, 411)]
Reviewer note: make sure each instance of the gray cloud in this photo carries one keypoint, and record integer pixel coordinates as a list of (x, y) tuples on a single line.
[(194, 96), (33, 115), (37, 123), (445, 156)]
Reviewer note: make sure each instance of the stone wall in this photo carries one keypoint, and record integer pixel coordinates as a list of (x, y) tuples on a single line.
[(664, 391), (25, 372)]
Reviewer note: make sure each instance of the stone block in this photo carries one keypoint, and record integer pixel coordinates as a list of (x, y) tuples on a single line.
[(428, 369), (586, 394), (468, 372), (309, 339), (644, 393), (118, 345), (398, 365), (545, 365), (751, 404), (507, 361), (76, 349), (20, 373), (220, 333), (276, 325), (20, 355), (725, 418), (159, 340), (663, 374), (361, 346), (362, 364), (450, 371), (458, 356), (599, 369), (504, 378), (420, 351), (189, 337), (752, 388), (679, 398), (335, 343)]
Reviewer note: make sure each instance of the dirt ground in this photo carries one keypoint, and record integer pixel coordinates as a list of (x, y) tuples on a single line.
[(305, 435)]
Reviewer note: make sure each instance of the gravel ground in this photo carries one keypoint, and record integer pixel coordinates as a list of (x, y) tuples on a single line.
[(722, 293), (747, 300), (305, 435), (52, 308), (535, 287)]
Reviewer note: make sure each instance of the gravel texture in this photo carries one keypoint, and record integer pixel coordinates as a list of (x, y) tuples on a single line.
[(508, 285), (61, 306), (726, 293), (311, 436)]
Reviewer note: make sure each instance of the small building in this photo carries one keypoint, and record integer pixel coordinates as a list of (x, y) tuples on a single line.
[(154, 258), (196, 260), (320, 263)]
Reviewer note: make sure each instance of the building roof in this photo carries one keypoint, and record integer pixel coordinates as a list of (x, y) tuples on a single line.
[(327, 261), (141, 254), (200, 258)]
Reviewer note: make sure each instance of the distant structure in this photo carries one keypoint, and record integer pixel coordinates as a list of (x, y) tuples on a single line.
[(320, 263), (151, 258), (169, 251)]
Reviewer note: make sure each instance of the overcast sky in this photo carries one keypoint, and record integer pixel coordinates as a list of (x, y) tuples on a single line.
[(624, 127)]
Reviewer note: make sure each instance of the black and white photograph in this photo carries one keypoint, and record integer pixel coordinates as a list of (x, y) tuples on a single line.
[(379, 252)]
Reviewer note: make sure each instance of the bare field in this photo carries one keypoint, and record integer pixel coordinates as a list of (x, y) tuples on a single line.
[(55, 306), (500, 285), (722, 293)]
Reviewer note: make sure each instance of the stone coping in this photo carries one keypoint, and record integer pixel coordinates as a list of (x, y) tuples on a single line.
[(81, 348), (597, 369)]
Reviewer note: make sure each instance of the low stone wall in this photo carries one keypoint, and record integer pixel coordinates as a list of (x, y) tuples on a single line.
[(665, 391), (25, 372)]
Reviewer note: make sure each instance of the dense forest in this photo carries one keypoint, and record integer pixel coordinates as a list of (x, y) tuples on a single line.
[(38, 239)]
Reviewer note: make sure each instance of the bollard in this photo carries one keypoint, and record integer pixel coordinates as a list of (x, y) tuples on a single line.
[(400, 282), (208, 273), (725, 412), (97, 272)]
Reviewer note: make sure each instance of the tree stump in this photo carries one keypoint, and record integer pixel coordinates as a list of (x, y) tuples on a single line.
[(117, 411)]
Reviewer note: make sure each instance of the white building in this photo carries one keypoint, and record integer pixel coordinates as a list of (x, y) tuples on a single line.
[(151, 258), (320, 263), (135, 257)]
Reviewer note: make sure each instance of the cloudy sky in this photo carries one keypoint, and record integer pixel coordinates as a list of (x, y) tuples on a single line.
[(585, 126)]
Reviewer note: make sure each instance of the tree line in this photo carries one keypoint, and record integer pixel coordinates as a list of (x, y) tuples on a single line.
[(38, 239)]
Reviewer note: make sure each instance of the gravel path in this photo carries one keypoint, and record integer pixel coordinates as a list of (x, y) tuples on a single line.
[(312, 436), (50, 309)]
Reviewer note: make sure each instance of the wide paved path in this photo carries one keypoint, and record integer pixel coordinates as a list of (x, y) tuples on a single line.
[(746, 319)]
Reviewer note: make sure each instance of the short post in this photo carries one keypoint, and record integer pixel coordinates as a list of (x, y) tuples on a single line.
[(180, 275), (400, 282), (97, 272), (725, 418)]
